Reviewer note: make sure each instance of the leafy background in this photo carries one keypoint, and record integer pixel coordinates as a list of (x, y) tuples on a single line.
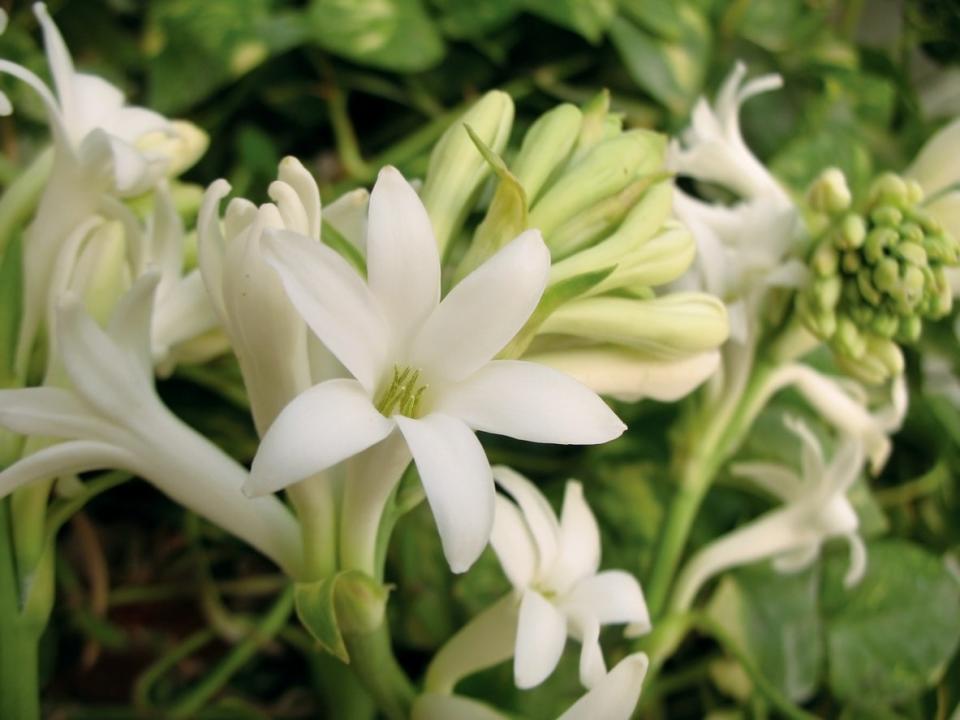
[(152, 600)]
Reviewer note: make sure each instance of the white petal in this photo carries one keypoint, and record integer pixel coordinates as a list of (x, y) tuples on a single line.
[(513, 544), (348, 216), (858, 560), (811, 454), (436, 706), (796, 560), (293, 173), (775, 479), (579, 553), (592, 667), (96, 101), (130, 323), (845, 466), (483, 313), (130, 172), (403, 264), (934, 167), (319, 428), (185, 313), (612, 597), (630, 376), (531, 402), (65, 459), (58, 57), (458, 483), (334, 301), (52, 412), (615, 696), (540, 518), (541, 637), (211, 245)]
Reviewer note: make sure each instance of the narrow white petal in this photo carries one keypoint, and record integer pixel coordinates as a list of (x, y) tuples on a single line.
[(458, 483), (811, 454), (58, 57), (65, 459), (796, 560), (579, 552), (513, 544), (185, 313), (335, 302), (540, 517), (858, 560), (436, 706), (319, 428), (615, 696), (845, 466), (541, 637), (484, 312), (933, 167), (293, 173), (531, 402), (52, 412), (779, 481), (403, 264), (348, 216), (592, 667), (211, 245), (129, 326), (612, 597)]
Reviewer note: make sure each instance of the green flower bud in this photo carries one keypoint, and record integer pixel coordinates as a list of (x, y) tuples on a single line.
[(889, 188), (848, 340), (886, 216), (850, 262), (884, 324), (457, 168), (866, 287), (912, 252), (910, 329), (853, 232), (829, 193), (660, 260), (825, 260), (886, 274), (878, 240), (826, 292), (546, 146)]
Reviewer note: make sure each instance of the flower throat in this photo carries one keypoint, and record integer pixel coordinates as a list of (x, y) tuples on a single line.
[(404, 393)]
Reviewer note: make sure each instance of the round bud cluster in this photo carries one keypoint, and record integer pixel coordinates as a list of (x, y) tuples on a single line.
[(877, 272)]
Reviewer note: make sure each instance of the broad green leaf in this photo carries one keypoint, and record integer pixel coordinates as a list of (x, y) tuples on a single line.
[(774, 618), (588, 18), (670, 71), (892, 635), (660, 17), (395, 35), (473, 19)]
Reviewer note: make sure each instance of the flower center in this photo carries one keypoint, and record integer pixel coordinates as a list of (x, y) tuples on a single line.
[(404, 393)]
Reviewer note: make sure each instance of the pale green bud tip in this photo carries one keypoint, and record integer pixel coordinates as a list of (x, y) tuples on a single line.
[(877, 274), (829, 193)]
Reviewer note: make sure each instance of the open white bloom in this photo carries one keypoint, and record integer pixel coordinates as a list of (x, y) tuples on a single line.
[(815, 509), (421, 367), (101, 148), (113, 418), (553, 566), (613, 697), (741, 248)]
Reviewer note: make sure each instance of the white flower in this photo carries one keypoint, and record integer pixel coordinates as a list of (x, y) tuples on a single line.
[(937, 171), (112, 418), (422, 367), (741, 249), (267, 333), (553, 565), (815, 509), (614, 697)]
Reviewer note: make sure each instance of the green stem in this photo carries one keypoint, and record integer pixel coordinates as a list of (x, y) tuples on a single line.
[(373, 662), (314, 501), (19, 685)]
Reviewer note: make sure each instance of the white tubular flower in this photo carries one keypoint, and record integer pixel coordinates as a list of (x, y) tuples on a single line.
[(842, 403), (741, 248), (815, 510), (553, 566), (614, 697), (97, 153), (267, 333), (422, 367), (112, 418)]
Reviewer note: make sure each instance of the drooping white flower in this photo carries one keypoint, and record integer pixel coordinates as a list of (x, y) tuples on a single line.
[(113, 418), (815, 509), (553, 566), (741, 248), (421, 367)]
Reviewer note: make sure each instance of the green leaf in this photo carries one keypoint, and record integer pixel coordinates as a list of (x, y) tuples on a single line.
[(774, 618), (345, 603), (395, 35), (670, 71), (473, 19), (660, 17), (588, 18), (892, 635)]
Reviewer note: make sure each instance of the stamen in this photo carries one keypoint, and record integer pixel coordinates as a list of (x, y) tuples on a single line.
[(404, 393)]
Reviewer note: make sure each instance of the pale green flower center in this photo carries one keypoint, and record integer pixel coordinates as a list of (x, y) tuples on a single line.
[(403, 394)]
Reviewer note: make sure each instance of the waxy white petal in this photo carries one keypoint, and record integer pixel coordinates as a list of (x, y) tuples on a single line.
[(484, 311), (615, 696), (858, 560), (458, 483), (52, 412), (335, 302), (579, 551), (319, 428), (67, 458), (531, 402), (541, 637), (592, 667), (540, 517), (781, 482), (513, 544), (934, 167), (403, 264), (129, 326), (611, 597)]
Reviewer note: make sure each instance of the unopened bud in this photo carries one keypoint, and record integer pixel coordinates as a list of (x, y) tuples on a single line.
[(829, 193), (547, 145)]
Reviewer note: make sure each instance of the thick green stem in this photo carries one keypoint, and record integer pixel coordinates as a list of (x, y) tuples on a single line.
[(372, 660), (314, 501)]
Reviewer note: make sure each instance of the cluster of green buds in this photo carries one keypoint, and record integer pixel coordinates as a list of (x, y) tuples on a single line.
[(602, 199), (878, 271)]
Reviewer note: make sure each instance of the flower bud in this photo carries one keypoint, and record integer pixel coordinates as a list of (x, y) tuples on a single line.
[(456, 168), (547, 145), (829, 193)]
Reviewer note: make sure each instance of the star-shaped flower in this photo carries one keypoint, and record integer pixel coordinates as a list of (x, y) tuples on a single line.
[(421, 367)]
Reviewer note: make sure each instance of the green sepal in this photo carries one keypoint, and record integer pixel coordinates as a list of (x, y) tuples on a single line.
[(350, 602), (346, 249)]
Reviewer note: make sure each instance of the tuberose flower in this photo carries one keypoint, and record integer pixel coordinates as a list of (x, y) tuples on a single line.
[(421, 367)]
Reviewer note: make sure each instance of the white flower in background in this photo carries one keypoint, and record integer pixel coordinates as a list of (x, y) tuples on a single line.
[(113, 418), (613, 697), (101, 147), (938, 172), (422, 367), (267, 333), (741, 248), (553, 566), (815, 509)]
